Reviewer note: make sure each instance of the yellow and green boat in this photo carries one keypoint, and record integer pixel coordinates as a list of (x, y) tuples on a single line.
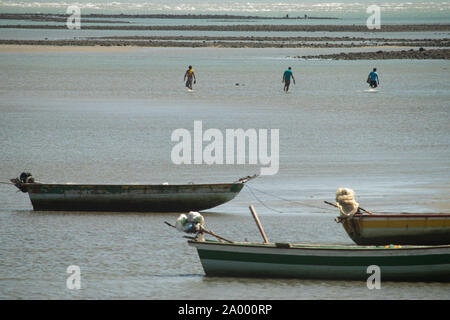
[(403, 228), (368, 228)]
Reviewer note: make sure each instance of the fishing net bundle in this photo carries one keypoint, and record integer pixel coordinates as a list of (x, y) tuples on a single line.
[(345, 201), (191, 223)]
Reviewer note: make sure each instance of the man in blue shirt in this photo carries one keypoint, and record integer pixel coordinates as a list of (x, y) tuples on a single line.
[(373, 79), (287, 79)]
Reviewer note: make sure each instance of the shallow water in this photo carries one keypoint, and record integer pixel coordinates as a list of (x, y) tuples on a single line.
[(66, 34), (108, 117)]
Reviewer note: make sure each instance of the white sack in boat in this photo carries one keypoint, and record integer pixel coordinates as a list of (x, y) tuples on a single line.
[(345, 201), (191, 223), (181, 222), (195, 217)]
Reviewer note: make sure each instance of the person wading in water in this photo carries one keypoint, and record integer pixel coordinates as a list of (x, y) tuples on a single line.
[(373, 79), (190, 75), (287, 79)]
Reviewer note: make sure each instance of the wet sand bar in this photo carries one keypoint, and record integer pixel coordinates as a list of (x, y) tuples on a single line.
[(219, 43), (420, 54)]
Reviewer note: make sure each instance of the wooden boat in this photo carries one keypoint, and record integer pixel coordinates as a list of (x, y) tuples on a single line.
[(368, 228), (129, 197), (404, 228), (315, 261), (334, 262)]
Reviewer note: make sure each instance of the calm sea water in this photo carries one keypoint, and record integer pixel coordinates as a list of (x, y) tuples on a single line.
[(108, 117)]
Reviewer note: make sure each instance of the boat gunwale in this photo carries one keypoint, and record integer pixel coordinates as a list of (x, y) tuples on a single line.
[(127, 185), (333, 247), (401, 215)]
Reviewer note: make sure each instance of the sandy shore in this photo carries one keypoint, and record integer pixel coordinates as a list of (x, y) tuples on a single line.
[(13, 48)]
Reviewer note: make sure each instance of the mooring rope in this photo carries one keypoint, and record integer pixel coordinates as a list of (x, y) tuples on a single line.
[(283, 199), (260, 201)]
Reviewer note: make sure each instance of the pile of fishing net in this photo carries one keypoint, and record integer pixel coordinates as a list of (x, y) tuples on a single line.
[(191, 223), (345, 201)]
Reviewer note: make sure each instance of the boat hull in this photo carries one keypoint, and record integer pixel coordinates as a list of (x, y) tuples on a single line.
[(430, 263), (406, 229), (136, 198)]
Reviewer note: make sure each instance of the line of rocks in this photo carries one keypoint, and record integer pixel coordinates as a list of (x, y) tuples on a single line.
[(429, 42), (438, 54), (250, 28), (205, 43)]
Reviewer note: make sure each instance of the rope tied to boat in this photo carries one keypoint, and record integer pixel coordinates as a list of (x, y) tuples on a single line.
[(303, 203), (345, 201)]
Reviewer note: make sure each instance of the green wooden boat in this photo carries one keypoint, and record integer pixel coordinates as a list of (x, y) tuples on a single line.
[(129, 197), (335, 262)]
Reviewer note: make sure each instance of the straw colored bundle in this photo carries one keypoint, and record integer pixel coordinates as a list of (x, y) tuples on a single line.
[(345, 201)]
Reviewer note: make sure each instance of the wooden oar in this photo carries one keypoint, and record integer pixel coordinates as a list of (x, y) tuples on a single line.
[(365, 210), (359, 208), (331, 204), (205, 231), (258, 223)]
